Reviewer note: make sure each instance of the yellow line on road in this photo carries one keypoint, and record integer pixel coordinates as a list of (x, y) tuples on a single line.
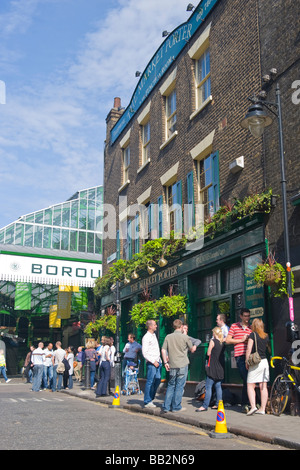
[(163, 421), (181, 426), (189, 427)]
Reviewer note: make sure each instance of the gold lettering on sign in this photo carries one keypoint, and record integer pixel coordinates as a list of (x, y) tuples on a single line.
[(154, 279)]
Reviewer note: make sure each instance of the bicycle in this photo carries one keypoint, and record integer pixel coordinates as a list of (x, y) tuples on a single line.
[(280, 389)]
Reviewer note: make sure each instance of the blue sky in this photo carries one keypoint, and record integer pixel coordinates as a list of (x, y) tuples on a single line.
[(63, 62)]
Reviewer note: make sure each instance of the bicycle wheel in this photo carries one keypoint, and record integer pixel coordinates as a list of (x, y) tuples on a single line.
[(279, 395)]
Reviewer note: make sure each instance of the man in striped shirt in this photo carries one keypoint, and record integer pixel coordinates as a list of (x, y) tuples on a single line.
[(238, 336)]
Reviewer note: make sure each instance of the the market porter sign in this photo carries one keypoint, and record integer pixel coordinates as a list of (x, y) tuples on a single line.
[(161, 62)]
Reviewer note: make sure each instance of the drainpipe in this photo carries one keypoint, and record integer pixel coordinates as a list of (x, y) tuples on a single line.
[(270, 318)]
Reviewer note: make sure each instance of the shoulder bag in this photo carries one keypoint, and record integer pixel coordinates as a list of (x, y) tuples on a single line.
[(254, 358)]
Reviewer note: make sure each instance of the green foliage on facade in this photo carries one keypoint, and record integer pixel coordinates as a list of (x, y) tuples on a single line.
[(167, 306), (105, 322)]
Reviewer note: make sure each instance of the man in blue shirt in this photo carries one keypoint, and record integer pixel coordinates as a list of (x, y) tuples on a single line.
[(130, 351)]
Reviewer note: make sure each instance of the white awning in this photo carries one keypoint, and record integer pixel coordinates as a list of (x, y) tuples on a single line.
[(36, 270)]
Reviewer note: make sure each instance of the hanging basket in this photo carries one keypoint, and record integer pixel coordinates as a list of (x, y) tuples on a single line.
[(272, 277)]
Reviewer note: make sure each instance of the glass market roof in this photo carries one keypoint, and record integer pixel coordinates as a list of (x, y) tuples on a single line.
[(73, 226), (69, 230)]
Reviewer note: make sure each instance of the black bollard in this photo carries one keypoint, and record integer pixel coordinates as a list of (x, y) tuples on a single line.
[(87, 373)]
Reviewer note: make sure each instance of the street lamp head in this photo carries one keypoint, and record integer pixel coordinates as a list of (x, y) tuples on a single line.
[(256, 120)]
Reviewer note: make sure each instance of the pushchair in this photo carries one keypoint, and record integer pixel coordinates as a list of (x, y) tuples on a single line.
[(131, 383)]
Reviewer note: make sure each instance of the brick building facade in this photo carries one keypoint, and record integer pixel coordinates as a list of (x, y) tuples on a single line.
[(182, 142), (279, 26)]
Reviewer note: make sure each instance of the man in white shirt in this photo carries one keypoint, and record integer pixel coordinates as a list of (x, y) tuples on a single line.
[(48, 367), (151, 352), (37, 358), (57, 357), (112, 363), (221, 322)]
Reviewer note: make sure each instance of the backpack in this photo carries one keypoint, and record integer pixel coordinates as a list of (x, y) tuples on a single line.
[(200, 391), (60, 368)]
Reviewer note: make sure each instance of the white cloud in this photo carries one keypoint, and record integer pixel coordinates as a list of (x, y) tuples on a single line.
[(124, 42), (19, 17), (52, 130)]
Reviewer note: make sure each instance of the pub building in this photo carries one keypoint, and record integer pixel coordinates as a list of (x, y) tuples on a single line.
[(179, 145)]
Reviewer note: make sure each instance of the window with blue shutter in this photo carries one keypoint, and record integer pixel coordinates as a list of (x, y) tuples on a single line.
[(208, 180), (129, 240), (160, 216), (174, 198), (118, 245), (215, 180), (137, 234), (190, 216), (150, 220), (177, 189)]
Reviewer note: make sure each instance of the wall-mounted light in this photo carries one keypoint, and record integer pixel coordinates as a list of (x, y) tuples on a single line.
[(150, 269), (165, 34), (162, 262), (138, 74)]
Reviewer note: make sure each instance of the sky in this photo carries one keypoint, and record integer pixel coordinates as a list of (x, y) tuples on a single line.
[(62, 63)]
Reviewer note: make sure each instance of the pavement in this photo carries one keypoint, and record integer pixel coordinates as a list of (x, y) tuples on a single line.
[(281, 430)]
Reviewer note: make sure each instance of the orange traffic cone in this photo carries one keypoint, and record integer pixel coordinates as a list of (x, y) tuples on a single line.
[(116, 400), (220, 431)]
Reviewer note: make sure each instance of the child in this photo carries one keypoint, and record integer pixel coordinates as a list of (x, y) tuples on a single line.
[(3, 366)]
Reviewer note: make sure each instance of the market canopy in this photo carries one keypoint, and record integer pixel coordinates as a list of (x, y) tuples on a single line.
[(40, 266)]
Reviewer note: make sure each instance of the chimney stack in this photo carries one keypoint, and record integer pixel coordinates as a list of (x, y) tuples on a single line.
[(113, 116), (117, 103)]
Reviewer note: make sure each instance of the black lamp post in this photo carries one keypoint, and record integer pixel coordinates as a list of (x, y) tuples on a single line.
[(256, 120), (118, 368)]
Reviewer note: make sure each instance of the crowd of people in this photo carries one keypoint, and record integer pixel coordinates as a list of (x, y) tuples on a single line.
[(48, 368), (174, 354), (54, 369)]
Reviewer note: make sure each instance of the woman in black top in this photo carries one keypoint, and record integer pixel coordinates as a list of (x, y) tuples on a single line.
[(215, 368), (258, 373)]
